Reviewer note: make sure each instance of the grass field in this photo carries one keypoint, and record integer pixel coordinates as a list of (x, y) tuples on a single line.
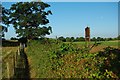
[(104, 43), (101, 46), (70, 60)]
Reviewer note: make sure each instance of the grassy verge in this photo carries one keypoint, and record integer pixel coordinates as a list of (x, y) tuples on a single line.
[(110, 43), (38, 59)]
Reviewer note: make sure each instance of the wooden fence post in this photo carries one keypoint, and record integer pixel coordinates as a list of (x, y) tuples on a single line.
[(8, 70), (13, 64)]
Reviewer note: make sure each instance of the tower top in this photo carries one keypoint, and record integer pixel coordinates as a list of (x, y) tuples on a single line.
[(87, 27)]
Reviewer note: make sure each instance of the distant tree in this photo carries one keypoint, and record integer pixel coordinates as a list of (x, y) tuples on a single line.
[(72, 39), (93, 39), (77, 39), (108, 39), (115, 38), (68, 39), (100, 39), (105, 39), (82, 39), (62, 39), (30, 18)]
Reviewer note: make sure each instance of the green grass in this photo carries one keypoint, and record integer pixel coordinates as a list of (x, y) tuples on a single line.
[(104, 43), (69, 60), (39, 60), (110, 43), (61, 60)]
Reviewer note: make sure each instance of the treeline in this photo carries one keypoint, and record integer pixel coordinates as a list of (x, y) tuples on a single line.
[(77, 39)]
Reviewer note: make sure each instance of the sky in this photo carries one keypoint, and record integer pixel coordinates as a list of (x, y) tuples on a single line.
[(70, 19), (63, 0)]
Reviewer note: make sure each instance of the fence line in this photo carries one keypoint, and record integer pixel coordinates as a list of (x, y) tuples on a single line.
[(14, 63), (10, 63)]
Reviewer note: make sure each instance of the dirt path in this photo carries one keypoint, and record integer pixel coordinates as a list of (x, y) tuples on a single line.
[(100, 48)]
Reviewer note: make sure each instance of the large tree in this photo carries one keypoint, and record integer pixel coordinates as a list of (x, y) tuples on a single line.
[(30, 18), (2, 30), (4, 20)]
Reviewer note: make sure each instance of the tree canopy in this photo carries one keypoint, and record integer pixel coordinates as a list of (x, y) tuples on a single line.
[(4, 14), (29, 19)]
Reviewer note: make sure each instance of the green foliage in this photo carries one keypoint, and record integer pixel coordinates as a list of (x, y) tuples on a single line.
[(30, 18), (66, 60), (56, 54), (94, 39), (62, 39), (81, 39), (5, 15), (63, 49), (3, 29), (5, 21), (111, 63), (68, 39), (71, 39), (39, 60)]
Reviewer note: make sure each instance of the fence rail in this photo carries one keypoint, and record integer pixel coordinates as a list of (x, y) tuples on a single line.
[(14, 64)]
